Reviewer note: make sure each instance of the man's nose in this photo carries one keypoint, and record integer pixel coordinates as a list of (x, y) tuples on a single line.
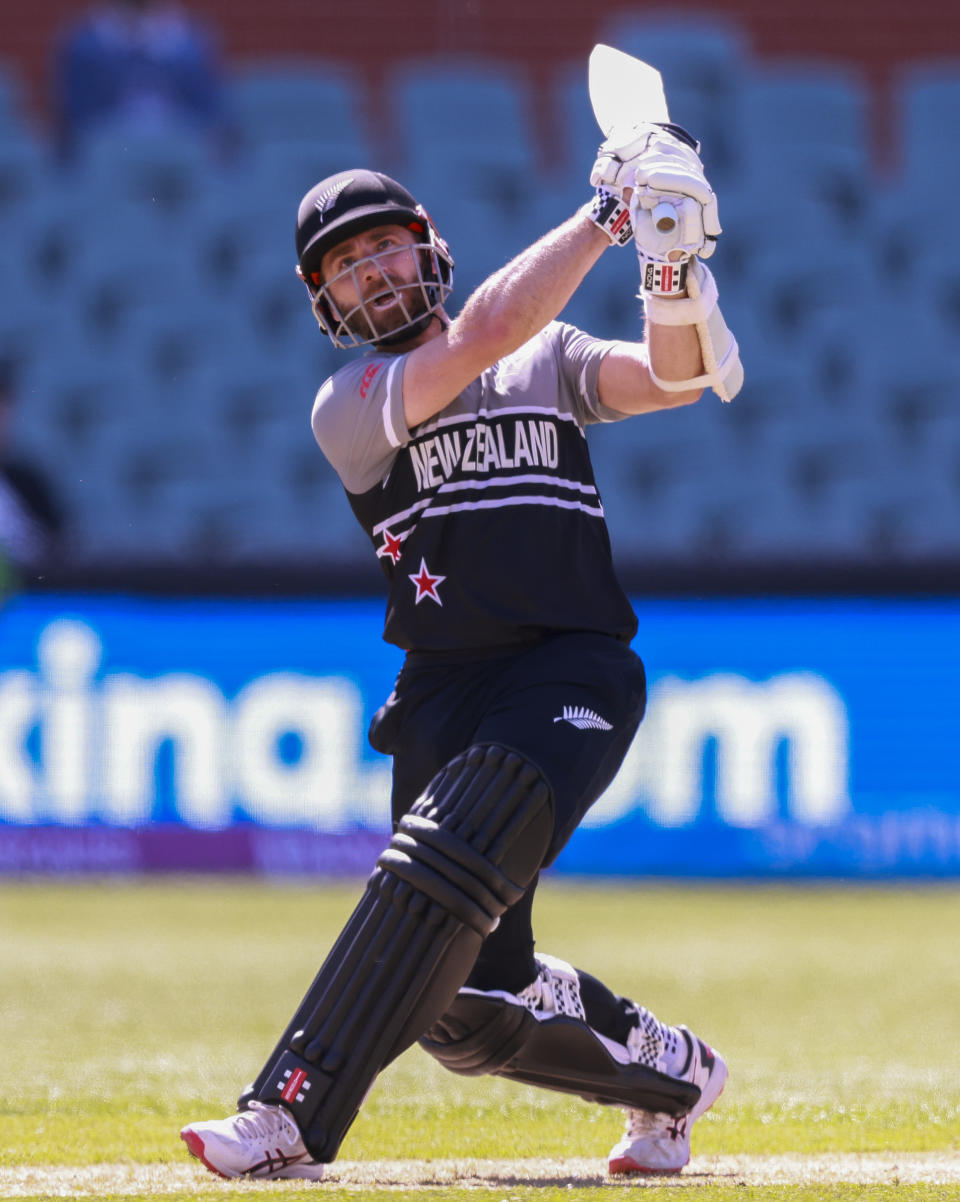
[(371, 269)]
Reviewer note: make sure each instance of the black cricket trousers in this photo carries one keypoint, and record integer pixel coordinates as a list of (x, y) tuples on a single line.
[(570, 702)]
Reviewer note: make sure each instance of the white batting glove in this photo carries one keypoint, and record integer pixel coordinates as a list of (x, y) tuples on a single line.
[(609, 212), (661, 165)]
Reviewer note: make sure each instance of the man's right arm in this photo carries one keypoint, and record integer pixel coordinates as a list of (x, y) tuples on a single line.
[(506, 311)]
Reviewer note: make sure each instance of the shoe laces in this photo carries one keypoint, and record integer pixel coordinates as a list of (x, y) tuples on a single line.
[(645, 1041), (553, 993), (264, 1121)]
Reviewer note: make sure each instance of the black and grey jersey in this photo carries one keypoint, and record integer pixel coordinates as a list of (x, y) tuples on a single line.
[(486, 518)]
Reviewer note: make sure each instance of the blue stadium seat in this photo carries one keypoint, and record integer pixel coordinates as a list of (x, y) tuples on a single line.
[(797, 296), (25, 174), (175, 349), (307, 100), (578, 135), (904, 370), (466, 128), (76, 414), (657, 475), (805, 132), (145, 499), (131, 258), (904, 230), (445, 102), (802, 480), (236, 233), (918, 503), (263, 402), (927, 96), (165, 169), (799, 228), (13, 108)]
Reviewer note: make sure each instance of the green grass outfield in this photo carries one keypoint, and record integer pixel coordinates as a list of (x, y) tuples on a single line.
[(128, 1009)]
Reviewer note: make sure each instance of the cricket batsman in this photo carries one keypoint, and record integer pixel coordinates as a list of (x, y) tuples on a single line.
[(460, 444)]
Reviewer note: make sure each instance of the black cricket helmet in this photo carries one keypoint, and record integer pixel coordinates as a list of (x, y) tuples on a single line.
[(344, 205)]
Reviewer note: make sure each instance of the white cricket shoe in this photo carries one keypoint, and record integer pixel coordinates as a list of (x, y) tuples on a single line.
[(660, 1143), (263, 1141)]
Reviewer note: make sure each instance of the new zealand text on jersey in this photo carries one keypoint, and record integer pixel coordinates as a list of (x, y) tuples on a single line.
[(484, 448)]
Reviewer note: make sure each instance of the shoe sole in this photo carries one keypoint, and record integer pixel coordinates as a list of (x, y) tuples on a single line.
[(623, 1166), (195, 1148)]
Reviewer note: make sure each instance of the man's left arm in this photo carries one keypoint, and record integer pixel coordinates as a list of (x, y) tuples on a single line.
[(625, 382), (688, 346)]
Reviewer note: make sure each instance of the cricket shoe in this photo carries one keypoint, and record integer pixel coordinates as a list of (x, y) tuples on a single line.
[(263, 1141), (660, 1143)]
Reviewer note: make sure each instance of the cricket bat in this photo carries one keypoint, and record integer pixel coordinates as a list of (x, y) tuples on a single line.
[(626, 95)]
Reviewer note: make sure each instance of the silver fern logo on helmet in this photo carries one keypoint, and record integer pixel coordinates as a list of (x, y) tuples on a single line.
[(325, 200)]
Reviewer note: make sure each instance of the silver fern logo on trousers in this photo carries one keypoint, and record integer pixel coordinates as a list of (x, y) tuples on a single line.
[(583, 718)]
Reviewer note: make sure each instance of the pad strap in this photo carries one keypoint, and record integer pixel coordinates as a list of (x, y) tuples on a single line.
[(494, 1033)]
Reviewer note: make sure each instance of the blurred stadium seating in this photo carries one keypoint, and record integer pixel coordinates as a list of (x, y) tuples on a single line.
[(170, 357)]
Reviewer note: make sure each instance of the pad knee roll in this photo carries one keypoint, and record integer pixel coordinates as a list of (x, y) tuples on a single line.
[(464, 853)]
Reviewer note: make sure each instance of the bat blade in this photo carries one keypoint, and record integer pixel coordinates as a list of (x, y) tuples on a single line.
[(627, 93), (624, 91)]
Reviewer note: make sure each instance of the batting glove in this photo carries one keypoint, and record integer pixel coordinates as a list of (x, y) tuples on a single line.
[(608, 211), (662, 165)]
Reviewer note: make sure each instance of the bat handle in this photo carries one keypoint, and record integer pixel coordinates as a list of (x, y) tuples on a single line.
[(665, 217)]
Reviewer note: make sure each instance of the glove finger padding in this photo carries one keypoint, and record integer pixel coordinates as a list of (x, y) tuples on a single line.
[(661, 175), (616, 163), (610, 171)]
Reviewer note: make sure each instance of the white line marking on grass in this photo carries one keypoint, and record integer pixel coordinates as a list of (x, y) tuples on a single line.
[(874, 1168)]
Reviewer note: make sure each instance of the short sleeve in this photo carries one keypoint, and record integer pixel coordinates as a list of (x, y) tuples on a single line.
[(358, 420), (580, 356)]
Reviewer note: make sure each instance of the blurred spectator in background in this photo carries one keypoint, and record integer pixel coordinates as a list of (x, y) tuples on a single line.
[(31, 520), (138, 65)]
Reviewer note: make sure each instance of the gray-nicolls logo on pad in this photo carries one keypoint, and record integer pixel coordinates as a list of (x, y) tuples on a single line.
[(583, 718), (294, 1085)]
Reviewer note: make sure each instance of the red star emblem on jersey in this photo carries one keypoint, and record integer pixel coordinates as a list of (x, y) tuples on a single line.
[(392, 547), (426, 585)]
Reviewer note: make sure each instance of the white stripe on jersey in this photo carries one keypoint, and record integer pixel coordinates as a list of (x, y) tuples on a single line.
[(504, 502), (496, 482), (393, 438), (510, 411)]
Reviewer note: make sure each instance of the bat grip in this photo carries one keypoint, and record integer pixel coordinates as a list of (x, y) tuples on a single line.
[(665, 217)]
